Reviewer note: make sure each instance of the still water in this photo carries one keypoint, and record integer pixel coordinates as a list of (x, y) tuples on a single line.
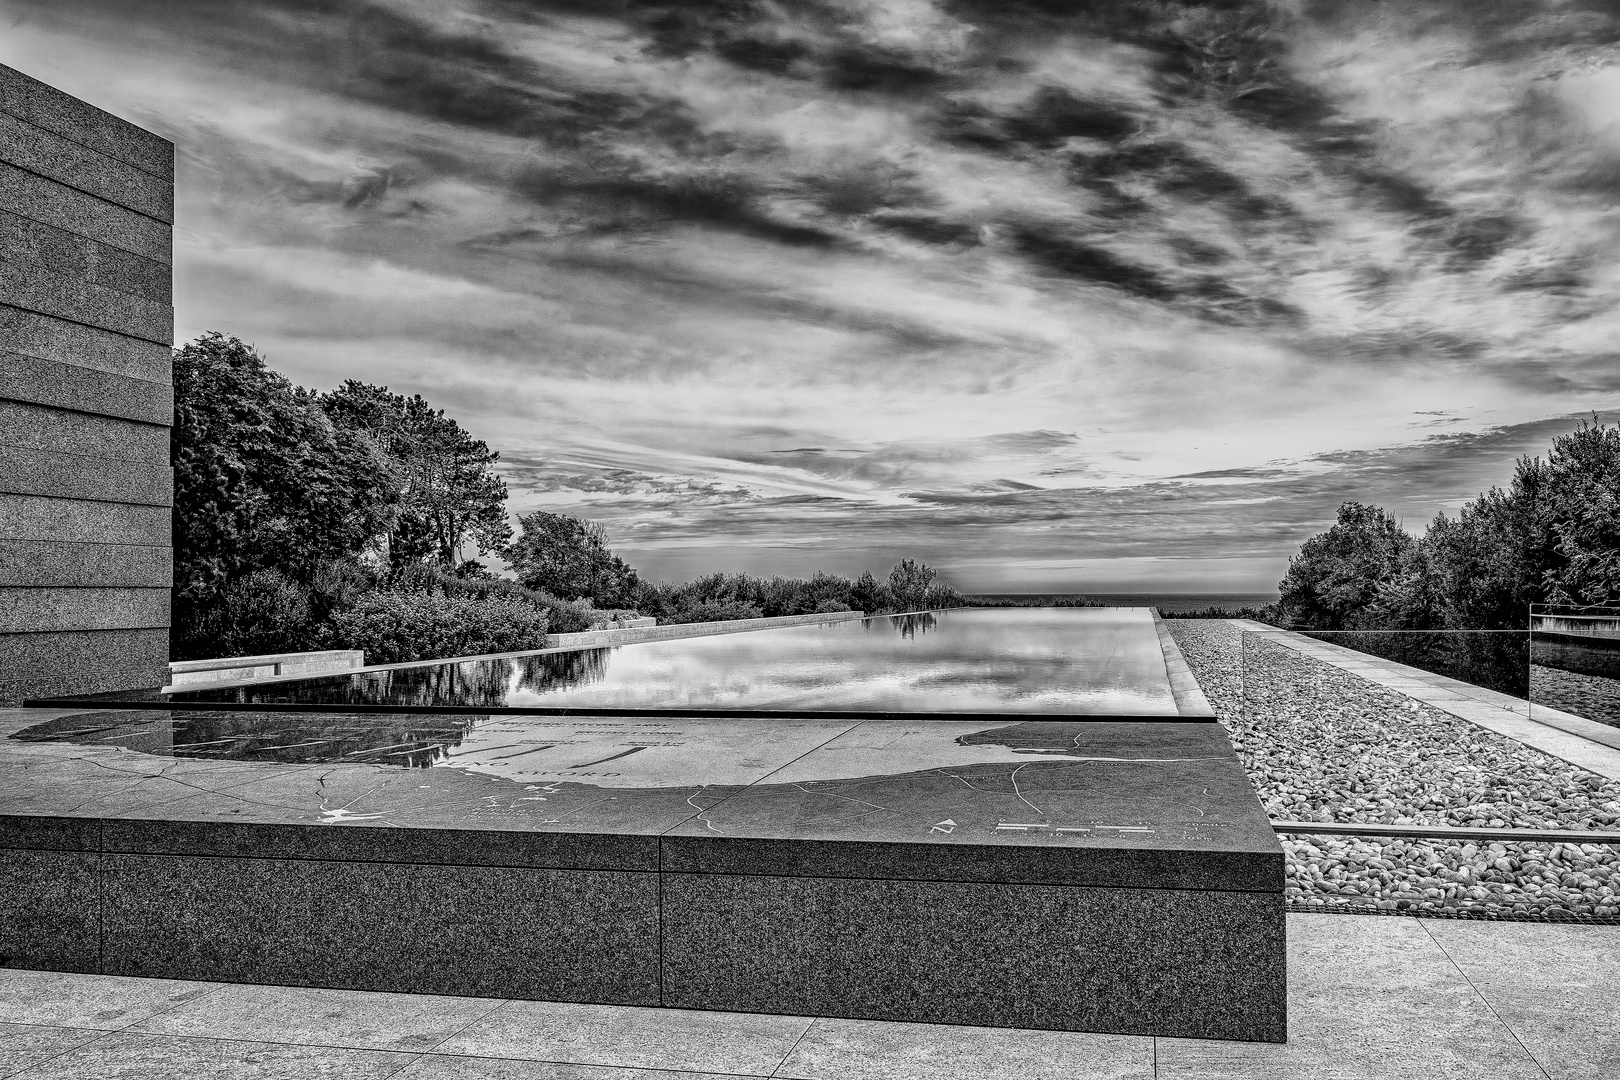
[(1049, 661)]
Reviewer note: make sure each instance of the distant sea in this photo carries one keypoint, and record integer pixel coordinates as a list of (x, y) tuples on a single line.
[(1167, 603)]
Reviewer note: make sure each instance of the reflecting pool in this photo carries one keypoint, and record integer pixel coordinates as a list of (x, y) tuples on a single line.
[(1049, 661)]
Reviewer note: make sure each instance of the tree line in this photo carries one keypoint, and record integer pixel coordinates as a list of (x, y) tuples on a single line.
[(1552, 536), (309, 520)]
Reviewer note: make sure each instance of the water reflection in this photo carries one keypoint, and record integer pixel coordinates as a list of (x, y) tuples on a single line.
[(1069, 661), (479, 684), (415, 741), (1575, 660), (912, 625), (1495, 659)]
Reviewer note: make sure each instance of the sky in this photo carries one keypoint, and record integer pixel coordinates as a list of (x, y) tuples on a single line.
[(1055, 296)]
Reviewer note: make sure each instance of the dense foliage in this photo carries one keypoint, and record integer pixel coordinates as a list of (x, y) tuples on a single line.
[(1552, 537), (910, 586), (398, 626), (291, 506), (263, 478), (569, 558), (447, 491)]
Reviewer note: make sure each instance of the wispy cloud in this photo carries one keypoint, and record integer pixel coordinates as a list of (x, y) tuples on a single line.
[(1031, 289)]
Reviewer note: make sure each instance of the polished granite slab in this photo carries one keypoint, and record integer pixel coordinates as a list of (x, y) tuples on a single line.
[(1117, 803), (1073, 662), (1078, 875)]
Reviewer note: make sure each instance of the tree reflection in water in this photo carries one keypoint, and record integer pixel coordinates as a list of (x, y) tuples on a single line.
[(478, 684), (406, 739), (912, 625), (563, 671)]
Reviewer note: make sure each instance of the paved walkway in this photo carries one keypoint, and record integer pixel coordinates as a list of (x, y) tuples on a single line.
[(1369, 996), (1575, 739)]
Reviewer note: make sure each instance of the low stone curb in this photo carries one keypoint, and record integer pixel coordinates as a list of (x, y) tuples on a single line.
[(592, 639), (1461, 914), (1184, 688), (1447, 832)]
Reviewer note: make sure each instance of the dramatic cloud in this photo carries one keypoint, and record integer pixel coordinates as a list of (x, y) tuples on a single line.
[(1056, 295)]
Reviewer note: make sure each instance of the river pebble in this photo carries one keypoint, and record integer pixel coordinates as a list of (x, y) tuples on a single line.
[(1321, 744)]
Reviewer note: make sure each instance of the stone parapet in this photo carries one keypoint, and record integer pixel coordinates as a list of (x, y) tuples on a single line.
[(236, 668), (590, 639)]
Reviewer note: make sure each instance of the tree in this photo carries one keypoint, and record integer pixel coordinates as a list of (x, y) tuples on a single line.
[(263, 480), (867, 594), (1338, 574), (569, 558), (911, 584), (448, 491), (1581, 507), (1488, 562)]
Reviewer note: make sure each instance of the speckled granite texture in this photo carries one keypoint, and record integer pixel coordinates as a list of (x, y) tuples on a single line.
[(41, 609), (42, 381), (35, 517), (48, 108), (559, 935), (31, 333), (86, 213), (36, 562), (49, 909), (1194, 964), (75, 652), (29, 471)]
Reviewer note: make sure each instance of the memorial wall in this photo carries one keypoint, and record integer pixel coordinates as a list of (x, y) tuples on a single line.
[(86, 324)]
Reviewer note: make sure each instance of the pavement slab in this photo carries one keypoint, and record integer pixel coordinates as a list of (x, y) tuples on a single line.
[(128, 1055), (871, 1050), (686, 1040), (1557, 992), (98, 1002), (1371, 998), (345, 1018)]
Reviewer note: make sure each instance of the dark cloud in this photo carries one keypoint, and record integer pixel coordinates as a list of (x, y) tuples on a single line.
[(1065, 256), (929, 229), (1233, 474), (1047, 119), (899, 237)]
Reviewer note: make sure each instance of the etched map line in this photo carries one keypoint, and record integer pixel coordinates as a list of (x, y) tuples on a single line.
[(1020, 794), (847, 798)]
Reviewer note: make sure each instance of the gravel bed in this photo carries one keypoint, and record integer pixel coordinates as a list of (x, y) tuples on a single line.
[(1591, 696), (1322, 744)]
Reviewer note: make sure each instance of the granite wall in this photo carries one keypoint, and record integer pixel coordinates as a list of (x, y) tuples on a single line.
[(86, 217)]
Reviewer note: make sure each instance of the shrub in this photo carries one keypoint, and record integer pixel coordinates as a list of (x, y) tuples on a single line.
[(338, 585), (263, 612), (399, 626), (565, 616), (718, 611)]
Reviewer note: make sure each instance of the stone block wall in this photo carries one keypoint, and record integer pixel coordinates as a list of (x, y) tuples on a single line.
[(86, 323)]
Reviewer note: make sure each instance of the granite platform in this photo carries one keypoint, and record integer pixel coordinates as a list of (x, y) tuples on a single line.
[(1091, 876)]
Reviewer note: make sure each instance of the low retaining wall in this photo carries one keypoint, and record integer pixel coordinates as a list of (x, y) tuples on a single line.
[(1583, 653), (590, 639), (1184, 688), (239, 668), (1604, 625)]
